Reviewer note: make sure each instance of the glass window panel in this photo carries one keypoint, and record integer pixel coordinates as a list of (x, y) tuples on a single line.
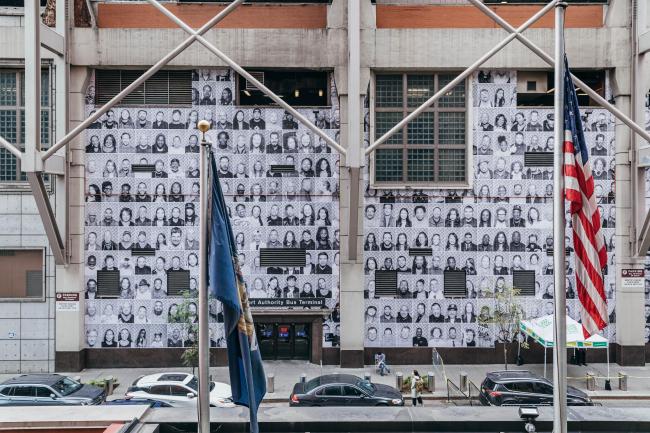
[(388, 165), (7, 166), (456, 96), (419, 89), (451, 165), (421, 129), (8, 125), (7, 88), (389, 92), (45, 88), (451, 128), (421, 165), (384, 122), (45, 128)]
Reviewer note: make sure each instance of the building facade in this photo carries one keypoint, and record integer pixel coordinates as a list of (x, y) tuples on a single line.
[(400, 251)]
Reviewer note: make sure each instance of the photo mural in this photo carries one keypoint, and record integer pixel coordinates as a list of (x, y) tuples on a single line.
[(503, 224), (142, 212)]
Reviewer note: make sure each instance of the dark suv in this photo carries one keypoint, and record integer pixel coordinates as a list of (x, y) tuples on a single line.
[(501, 388), (47, 390)]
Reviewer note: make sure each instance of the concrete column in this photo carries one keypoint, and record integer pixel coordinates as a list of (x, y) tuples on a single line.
[(629, 302), (70, 329)]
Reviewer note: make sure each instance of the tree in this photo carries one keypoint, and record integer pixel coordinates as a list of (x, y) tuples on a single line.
[(508, 314), (187, 317)]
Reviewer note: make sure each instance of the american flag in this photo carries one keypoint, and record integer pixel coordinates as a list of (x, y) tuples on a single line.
[(588, 240)]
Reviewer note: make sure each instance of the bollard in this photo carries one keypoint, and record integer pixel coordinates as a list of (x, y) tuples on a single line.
[(622, 381), (270, 382), (109, 385), (303, 378), (431, 384), (399, 380), (591, 381), (463, 381), (366, 377)]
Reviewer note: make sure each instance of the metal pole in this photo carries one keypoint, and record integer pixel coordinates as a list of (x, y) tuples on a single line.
[(559, 225), (466, 73), (11, 148), (203, 403), (30, 161), (241, 71), (155, 68), (548, 59)]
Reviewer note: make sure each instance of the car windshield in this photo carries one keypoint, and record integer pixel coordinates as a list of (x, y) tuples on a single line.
[(66, 386), (369, 387), (194, 384)]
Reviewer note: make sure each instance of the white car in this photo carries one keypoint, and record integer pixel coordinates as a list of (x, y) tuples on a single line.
[(178, 390)]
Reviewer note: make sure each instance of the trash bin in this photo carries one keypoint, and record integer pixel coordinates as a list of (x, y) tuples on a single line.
[(270, 383), (622, 381), (109, 384), (303, 378), (591, 381), (366, 376), (431, 384), (463, 381), (399, 380)]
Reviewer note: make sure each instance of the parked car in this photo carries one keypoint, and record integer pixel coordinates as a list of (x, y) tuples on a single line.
[(344, 390), (129, 401), (48, 390), (178, 390), (521, 387)]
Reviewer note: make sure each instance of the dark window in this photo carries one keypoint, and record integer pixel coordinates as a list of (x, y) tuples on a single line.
[(17, 3), (172, 377), (520, 386), (455, 284), (297, 88), (159, 390), (178, 282), (163, 88), (432, 148), (545, 1), (543, 388), (525, 282), (179, 391), (283, 257), (43, 391), (6, 391), (332, 391), (12, 118), (108, 284), (538, 159), (24, 391), (351, 391), (545, 97), (386, 284)]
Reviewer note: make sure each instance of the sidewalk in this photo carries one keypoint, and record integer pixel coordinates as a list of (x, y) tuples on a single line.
[(287, 373)]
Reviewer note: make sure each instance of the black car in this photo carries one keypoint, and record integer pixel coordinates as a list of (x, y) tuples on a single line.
[(48, 390), (519, 387), (344, 390)]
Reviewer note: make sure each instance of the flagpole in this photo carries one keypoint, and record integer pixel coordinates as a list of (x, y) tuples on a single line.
[(559, 227), (203, 403)]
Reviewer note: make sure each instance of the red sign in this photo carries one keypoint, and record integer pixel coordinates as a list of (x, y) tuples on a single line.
[(67, 297)]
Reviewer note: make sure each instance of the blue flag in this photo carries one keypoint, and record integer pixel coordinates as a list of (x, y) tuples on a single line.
[(247, 378)]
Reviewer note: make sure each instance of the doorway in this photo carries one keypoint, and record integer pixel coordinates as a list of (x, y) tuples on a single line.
[(284, 340)]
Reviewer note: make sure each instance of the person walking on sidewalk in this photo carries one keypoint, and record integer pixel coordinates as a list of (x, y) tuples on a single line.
[(417, 386)]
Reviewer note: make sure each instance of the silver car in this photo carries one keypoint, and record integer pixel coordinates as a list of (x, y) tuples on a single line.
[(47, 390)]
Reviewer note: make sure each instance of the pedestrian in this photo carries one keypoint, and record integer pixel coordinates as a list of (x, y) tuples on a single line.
[(417, 386)]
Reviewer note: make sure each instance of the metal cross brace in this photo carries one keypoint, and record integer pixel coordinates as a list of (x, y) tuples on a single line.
[(241, 71)]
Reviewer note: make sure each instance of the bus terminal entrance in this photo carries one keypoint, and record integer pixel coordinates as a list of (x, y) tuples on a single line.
[(284, 340)]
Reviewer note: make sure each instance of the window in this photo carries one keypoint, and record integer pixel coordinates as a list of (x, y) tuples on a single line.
[(543, 388), (332, 391), (536, 88), (12, 114), (22, 272), (432, 148), (163, 88), (43, 391), (179, 391), (24, 391), (159, 390), (351, 391), (520, 386), (297, 88)]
